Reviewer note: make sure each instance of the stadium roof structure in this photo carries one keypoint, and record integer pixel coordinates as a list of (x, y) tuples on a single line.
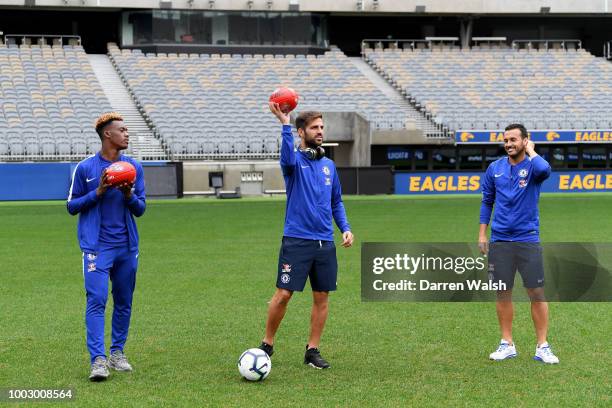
[(421, 7)]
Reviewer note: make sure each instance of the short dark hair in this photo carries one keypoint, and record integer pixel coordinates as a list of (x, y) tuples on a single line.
[(305, 118), (518, 126), (104, 120)]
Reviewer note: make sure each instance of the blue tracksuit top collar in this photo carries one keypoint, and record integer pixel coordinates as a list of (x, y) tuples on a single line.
[(101, 158)]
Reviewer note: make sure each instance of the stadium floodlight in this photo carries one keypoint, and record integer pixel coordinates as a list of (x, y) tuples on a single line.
[(190, 3), (211, 4), (250, 4), (269, 3), (360, 5)]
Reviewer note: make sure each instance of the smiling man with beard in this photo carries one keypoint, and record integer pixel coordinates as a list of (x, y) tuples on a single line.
[(512, 184)]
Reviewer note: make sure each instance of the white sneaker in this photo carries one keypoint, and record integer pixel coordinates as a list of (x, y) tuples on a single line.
[(99, 369), (544, 354), (118, 361), (504, 351)]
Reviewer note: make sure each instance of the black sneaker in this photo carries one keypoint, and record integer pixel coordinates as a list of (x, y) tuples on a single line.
[(267, 348), (313, 358)]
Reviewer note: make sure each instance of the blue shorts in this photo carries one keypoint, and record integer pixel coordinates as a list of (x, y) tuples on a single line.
[(505, 258), (300, 259)]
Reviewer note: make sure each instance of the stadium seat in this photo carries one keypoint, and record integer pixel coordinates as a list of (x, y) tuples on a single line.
[(502, 85), (188, 97), (49, 89)]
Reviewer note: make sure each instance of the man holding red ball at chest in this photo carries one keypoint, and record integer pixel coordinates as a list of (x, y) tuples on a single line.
[(106, 196)]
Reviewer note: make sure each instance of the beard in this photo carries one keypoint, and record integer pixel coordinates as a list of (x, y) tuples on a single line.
[(312, 143)]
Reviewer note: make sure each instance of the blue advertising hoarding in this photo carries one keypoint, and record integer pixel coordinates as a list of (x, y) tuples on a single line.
[(538, 136), (51, 181), (35, 181), (469, 182)]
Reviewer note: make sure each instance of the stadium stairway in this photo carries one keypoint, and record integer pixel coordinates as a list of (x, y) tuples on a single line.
[(430, 129), (143, 144)]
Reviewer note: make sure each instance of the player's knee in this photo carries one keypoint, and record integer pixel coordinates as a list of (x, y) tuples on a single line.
[(283, 296), (96, 300), (536, 294), (504, 295), (320, 299), (123, 299), (122, 307)]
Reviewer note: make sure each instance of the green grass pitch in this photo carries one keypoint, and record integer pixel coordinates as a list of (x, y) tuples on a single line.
[(207, 269)]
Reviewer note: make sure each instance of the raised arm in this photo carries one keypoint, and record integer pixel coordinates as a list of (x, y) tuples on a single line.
[(541, 168), (287, 154)]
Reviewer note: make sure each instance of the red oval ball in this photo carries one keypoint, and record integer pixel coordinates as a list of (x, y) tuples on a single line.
[(120, 172), (286, 98)]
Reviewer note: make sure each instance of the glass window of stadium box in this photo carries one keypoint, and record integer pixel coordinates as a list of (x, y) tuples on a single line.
[(593, 157), (421, 159), (470, 158), (223, 28), (398, 156), (444, 159), (137, 28), (554, 155), (493, 153), (572, 157)]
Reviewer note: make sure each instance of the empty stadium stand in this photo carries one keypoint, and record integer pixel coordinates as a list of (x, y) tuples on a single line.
[(486, 88), (49, 99), (143, 144), (215, 106)]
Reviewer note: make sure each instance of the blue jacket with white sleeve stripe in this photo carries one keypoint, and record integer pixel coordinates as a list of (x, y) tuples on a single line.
[(83, 200)]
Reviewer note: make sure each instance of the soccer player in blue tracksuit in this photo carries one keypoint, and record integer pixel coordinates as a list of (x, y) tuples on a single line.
[(307, 251), (109, 240), (512, 184)]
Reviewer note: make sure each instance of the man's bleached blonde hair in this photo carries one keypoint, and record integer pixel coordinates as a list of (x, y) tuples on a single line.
[(104, 119)]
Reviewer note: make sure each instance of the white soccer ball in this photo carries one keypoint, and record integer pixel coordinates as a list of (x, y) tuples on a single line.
[(254, 364)]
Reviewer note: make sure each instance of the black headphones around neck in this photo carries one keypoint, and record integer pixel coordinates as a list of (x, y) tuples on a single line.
[(314, 154)]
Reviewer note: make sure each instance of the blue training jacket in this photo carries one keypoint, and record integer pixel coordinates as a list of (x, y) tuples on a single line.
[(515, 191), (314, 194), (82, 199)]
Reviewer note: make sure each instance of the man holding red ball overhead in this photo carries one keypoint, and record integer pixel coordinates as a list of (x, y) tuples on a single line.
[(314, 198), (108, 237)]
